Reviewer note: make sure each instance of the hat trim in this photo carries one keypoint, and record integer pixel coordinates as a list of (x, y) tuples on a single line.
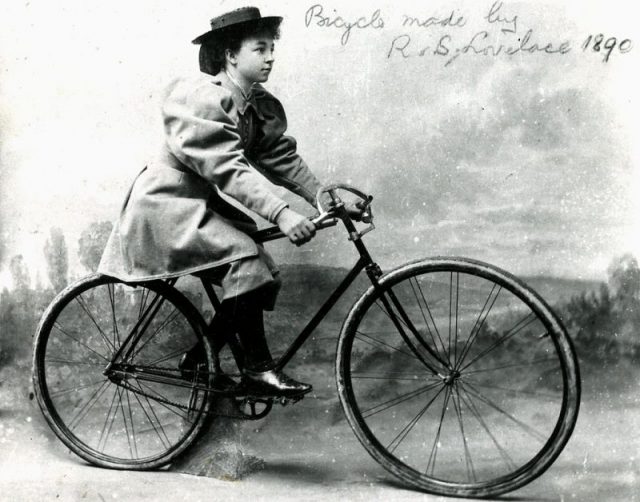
[(200, 39)]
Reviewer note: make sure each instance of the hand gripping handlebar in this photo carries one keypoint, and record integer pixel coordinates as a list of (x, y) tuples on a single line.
[(327, 217)]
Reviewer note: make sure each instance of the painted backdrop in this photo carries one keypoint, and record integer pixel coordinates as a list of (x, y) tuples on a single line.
[(499, 130)]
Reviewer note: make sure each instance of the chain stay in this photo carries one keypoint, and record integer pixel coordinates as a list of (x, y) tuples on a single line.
[(240, 400)]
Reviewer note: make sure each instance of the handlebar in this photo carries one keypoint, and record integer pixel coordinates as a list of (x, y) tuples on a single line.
[(327, 217)]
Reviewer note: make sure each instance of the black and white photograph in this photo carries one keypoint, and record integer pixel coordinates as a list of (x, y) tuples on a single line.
[(299, 250)]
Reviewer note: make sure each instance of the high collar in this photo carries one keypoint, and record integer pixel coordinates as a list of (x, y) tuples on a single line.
[(242, 102)]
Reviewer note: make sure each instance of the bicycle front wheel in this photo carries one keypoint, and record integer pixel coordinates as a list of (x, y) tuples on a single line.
[(147, 412), (458, 378)]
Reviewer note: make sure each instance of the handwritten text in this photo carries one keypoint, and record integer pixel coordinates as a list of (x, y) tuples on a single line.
[(315, 14)]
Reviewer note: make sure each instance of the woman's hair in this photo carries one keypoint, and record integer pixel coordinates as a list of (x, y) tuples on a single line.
[(212, 50)]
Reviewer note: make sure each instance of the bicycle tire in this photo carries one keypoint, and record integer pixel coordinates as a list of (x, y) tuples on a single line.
[(504, 400), (103, 422)]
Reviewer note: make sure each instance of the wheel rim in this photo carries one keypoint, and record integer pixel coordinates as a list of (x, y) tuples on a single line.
[(495, 418), (112, 419)]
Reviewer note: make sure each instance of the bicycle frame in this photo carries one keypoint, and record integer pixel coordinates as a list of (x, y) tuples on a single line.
[(365, 262)]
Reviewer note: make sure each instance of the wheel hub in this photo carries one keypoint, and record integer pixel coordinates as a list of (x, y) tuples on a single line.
[(451, 378)]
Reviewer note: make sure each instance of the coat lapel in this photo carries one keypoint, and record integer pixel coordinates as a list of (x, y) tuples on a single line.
[(238, 98)]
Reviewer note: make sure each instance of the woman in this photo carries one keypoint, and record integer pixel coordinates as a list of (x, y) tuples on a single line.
[(223, 133)]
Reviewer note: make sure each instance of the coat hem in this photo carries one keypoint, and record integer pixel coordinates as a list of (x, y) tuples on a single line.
[(181, 273)]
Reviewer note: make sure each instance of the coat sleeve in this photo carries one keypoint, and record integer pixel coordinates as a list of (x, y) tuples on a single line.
[(201, 134), (276, 155)]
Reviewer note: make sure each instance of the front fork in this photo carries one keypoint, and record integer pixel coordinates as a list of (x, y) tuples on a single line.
[(397, 314)]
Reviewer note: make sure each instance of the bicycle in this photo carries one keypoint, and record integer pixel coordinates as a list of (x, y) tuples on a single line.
[(454, 375)]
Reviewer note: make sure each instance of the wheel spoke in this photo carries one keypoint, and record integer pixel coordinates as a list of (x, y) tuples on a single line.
[(114, 320), (471, 473), (143, 302), (401, 321), (165, 403), (509, 391), (168, 357), (431, 463), (510, 464), (86, 407), (360, 334), (398, 322), (398, 399), (432, 351), (137, 332), (407, 428), (428, 310), (59, 328), (82, 304), (164, 439), (167, 320), (394, 376), (108, 422), (131, 434), (76, 388), (55, 360), (124, 421), (480, 320), (455, 341), (489, 402), (520, 325), (451, 310), (535, 362)]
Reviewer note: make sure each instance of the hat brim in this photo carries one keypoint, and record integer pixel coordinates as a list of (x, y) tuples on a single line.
[(263, 20)]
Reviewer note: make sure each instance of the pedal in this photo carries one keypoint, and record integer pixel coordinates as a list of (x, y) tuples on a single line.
[(285, 400)]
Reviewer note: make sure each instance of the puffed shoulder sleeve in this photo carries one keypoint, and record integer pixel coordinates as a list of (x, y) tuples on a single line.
[(201, 134), (275, 153)]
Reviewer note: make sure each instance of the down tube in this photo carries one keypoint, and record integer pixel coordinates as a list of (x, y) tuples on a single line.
[(315, 320)]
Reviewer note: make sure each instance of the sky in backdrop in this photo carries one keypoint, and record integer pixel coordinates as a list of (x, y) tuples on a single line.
[(527, 160)]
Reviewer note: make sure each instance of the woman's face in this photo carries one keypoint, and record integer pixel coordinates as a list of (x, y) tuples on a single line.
[(254, 61)]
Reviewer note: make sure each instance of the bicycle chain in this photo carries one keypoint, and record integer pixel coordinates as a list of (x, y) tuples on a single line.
[(168, 372)]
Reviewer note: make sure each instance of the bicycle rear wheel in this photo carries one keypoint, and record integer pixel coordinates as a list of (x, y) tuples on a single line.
[(483, 397), (120, 419)]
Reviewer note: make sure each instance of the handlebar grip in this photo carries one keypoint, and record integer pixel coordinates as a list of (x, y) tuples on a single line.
[(274, 233)]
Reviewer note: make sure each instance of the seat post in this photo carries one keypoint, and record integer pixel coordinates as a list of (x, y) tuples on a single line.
[(211, 294)]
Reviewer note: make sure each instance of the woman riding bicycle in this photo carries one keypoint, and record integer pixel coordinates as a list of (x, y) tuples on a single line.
[(223, 134)]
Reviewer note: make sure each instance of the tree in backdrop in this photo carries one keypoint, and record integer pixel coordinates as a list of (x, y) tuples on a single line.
[(17, 319), (20, 276), (624, 283), (57, 258), (92, 242), (624, 286), (605, 324)]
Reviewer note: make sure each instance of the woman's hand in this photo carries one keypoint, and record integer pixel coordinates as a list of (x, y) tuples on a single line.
[(298, 228)]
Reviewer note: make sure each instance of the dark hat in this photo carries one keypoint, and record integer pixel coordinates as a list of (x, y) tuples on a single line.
[(238, 16)]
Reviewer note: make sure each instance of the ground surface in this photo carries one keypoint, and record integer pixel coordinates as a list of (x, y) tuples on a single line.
[(311, 454)]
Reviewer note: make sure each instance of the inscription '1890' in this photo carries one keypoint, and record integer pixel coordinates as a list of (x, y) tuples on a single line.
[(599, 44)]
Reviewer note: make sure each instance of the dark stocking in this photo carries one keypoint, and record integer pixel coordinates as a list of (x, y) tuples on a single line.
[(243, 315)]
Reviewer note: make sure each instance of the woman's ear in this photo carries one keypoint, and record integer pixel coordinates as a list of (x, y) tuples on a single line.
[(230, 56)]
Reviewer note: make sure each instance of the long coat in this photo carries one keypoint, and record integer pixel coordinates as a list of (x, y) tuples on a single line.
[(174, 220)]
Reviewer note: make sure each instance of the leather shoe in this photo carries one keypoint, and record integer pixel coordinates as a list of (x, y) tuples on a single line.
[(272, 383)]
